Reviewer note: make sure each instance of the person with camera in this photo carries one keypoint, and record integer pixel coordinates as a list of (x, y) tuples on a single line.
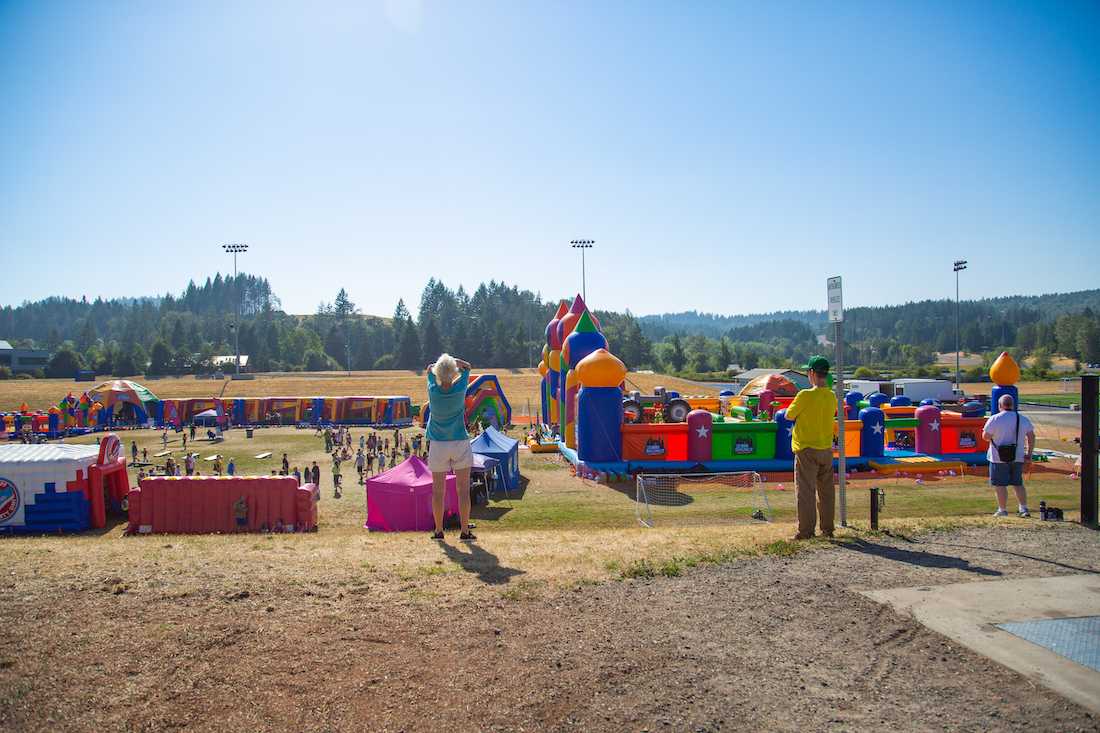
[(1011, 439)]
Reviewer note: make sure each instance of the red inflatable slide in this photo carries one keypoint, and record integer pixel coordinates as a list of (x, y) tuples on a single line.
[(200, 504)]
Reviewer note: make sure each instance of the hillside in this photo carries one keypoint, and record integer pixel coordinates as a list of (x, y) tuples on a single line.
[(1049, 306)]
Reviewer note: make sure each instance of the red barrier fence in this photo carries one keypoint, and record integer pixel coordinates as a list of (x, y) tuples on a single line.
[(200, 504)]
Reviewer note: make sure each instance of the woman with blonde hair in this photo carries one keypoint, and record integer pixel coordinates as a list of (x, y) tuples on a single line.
[(449, 446)]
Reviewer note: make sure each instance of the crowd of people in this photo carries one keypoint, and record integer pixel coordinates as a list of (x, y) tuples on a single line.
[(374, 453)]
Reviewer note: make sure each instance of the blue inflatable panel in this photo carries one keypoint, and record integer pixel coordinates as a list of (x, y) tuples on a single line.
[(54, 511)]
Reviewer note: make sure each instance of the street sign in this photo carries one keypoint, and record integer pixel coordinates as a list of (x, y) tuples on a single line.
[(836, 301)]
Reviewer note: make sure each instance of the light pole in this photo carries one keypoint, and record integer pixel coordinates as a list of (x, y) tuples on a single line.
[(582, 245), (235, 249), (960, 265)]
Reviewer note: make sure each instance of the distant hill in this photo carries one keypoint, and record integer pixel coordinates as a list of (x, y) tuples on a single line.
[(1046, 307)]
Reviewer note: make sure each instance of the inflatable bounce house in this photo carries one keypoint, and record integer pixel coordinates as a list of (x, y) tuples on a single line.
[(203, 505), (594, 423), (124, 401), (485, 403), (379, 412), (61, 488)]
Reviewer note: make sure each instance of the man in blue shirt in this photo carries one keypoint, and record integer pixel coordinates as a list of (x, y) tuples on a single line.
[(449, 445)]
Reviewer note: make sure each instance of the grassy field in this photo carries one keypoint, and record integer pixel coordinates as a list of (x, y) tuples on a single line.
[(556, 530), (520, 386)]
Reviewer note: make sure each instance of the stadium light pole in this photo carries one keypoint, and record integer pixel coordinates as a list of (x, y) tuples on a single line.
[(960, 265), (236, 248), (582, 245)]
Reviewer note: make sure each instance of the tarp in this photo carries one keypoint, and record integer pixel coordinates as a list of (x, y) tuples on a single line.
[(205, 418), (495, 444), (484, 463), (400, 500)]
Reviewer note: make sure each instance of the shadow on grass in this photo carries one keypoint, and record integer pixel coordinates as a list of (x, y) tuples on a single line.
[(920, 559), (482, 563), (1020, 555)]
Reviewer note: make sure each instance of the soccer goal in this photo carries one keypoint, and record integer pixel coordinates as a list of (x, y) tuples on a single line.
[(700, 498)]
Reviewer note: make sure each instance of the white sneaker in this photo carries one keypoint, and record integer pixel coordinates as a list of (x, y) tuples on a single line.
[(1023, 514), (1000, 513)]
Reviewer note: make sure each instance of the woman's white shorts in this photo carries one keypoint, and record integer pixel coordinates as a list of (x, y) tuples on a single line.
[(449, 455)]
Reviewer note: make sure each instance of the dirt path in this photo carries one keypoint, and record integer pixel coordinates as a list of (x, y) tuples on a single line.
[(774, 643)]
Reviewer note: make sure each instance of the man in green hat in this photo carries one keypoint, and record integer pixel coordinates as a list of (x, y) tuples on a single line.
[(813, 411)]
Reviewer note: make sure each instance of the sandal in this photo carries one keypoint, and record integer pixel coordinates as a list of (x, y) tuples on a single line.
[(467, 537), (437, 536)]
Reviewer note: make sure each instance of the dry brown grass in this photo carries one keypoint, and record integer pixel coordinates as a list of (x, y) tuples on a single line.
[(1046, 387), (520, 385)]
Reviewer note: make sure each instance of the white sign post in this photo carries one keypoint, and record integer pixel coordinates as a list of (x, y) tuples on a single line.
[(836, 316)]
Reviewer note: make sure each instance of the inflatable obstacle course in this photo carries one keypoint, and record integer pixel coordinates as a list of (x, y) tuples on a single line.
[(602, 430), (485, 403), (61, 488)]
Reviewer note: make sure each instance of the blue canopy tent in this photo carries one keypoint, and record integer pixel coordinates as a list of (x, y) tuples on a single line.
[(495, 444)]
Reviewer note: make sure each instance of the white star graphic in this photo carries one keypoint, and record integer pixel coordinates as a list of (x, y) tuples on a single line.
[(877, 428), (934, 425), (790, 431), (702, 431)]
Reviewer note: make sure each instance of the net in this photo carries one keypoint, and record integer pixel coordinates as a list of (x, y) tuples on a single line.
[(700, 498)]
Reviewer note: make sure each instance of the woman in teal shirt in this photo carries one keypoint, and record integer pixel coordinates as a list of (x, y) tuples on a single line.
[(449, 445)]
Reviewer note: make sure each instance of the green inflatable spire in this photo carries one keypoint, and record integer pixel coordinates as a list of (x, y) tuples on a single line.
[(585, 324)]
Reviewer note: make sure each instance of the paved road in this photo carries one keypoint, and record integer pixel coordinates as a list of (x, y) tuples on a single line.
[(1064, 419)]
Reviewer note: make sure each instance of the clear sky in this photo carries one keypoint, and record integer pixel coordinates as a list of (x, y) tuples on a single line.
[(727, 157)]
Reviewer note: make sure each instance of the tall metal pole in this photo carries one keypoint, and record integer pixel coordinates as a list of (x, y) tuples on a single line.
[(584, 280), (237, 323), (582, 245), (234, 249), (959, 266), (841, 463), (1089, 420)]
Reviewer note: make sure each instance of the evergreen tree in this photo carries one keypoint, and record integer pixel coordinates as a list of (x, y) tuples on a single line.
[(160, 359), (432, 345), (676, 353), (408, 354), (65, 363)]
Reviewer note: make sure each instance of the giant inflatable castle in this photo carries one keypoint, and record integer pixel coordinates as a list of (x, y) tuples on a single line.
[(589, 417)]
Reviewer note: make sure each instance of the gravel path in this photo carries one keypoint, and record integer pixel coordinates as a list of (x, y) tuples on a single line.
[(773, 643)]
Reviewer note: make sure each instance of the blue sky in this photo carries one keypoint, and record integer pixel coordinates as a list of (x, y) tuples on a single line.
[(727, 157)]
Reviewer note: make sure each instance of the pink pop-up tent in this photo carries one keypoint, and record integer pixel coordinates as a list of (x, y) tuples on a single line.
[(400, 500)]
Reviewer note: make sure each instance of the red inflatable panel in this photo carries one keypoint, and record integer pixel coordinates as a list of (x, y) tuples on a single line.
[(202, 505)]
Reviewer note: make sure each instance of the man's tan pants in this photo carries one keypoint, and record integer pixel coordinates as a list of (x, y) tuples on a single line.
[(813, 474)]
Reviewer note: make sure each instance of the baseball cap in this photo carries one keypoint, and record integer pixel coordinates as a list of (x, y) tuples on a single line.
[(818, 363)]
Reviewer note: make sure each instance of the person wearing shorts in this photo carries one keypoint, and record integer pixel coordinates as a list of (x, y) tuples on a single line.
[(449, 450), (1009, 427)]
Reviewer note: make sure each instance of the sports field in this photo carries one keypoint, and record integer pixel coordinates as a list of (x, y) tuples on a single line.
[(520, 386), (346, 628)]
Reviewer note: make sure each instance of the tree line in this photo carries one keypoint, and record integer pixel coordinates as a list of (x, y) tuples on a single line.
[(503, 326)]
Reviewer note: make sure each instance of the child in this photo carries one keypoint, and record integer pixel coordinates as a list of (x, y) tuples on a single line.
[(240, 511), (360, 464), (218, 465), (144, 455), (231, 467), (336, 480), (297, 475)]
